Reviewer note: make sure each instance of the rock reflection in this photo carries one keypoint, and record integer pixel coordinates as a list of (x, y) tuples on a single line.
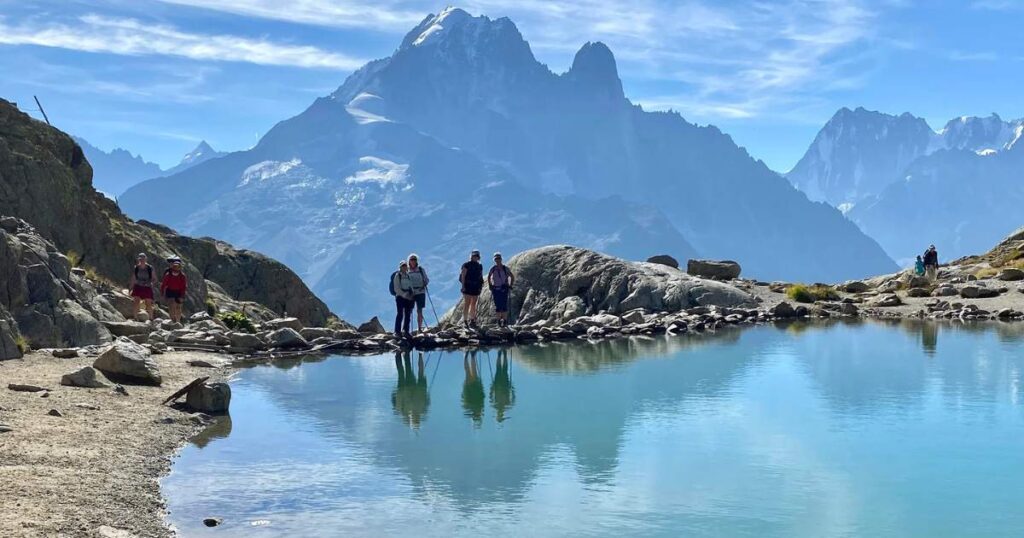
[(219, 429), (410, 398)]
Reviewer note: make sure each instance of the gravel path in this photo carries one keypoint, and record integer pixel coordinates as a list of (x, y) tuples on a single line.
[(98, 464)]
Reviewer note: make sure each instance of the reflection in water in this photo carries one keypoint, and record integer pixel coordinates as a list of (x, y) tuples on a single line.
[(503, 394), (797, 430), (410, 397), (219, 429), (473, 388)]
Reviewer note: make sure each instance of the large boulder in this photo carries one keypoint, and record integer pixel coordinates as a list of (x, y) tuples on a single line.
[(373, 326), (9, 337), (127, 328), (212, 398), (718, 270), (664, 259), (557, 283), (126, 361), (854, 286), (1011, 274), (85, 377), (291, 323), (286, 337), (977, 292)]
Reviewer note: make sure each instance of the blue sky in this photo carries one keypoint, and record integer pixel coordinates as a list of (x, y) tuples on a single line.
[(157, 76)]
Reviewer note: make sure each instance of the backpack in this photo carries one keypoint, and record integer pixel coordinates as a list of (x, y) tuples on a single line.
[(391, 284), (149, 269)]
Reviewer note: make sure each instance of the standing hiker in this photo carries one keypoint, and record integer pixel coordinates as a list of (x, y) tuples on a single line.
[(472, 280), (401, 288), (140, 285), (919, 267), (418, 283), (173, 288), (500, 279), (931, 263)]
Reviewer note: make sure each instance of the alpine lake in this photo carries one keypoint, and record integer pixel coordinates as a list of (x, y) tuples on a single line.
[(872, 429)]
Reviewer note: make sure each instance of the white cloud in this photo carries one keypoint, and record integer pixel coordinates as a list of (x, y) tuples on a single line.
[(962, 56), (95, 33), (382, 15)]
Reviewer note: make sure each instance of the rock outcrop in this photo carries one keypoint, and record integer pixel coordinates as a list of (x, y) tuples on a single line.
[(46, 180), (718, 270), (559, 283)]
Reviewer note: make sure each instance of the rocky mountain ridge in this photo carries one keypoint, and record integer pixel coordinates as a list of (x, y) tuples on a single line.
[(117, 170), (462, 139), (45, 181)]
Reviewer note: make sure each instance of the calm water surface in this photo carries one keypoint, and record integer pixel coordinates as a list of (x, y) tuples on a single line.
[(843, 430)]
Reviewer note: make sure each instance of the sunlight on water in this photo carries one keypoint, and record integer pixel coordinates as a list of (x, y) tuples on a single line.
[(845, 430)]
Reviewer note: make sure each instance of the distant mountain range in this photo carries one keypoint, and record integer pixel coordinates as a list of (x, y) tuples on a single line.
[(461, 139), (907, 185), (116, 170)]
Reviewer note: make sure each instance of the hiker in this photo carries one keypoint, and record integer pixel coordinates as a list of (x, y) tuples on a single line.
[(472, 280), (931, 263), (919, 267), (401, 288), (173, 288), (140, 285), (418, 282), (500, 279)]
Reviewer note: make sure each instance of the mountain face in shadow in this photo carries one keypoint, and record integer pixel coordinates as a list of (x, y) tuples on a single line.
[(462, 139)]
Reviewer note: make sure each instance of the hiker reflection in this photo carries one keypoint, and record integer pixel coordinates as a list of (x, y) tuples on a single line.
[(473, 388), (929, 337), (410, 397), (503, 394)]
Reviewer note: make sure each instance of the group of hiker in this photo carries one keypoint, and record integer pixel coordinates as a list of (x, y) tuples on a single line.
[(409, 285), (173, 286), (927, 265)]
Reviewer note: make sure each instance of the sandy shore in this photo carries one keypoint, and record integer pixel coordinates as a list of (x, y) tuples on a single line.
[(99, 463)]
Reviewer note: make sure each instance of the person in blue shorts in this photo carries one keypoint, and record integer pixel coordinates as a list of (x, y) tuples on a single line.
[(500, 279)]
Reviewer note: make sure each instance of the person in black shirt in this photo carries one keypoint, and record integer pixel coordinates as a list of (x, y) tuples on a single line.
[(931, 263), (472, 279)]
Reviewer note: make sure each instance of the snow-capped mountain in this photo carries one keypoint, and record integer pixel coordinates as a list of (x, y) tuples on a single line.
[(202, 153), (116, 170), (858, 153), (462, 140), (907, 185)]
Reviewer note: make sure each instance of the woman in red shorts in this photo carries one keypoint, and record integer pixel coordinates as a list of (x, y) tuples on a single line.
[(140, 285), (173, 288)]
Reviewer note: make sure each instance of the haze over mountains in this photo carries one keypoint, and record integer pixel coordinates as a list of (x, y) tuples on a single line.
[(907, 185), (462, 140), (117, 170)]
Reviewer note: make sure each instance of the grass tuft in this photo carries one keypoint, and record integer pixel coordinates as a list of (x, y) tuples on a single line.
[(803, 293)]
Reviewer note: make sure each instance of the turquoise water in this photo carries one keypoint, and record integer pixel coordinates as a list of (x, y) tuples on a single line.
[(842, 430)]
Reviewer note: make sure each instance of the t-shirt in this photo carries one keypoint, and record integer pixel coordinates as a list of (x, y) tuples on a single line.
[(174, 282), (500, 276), (143, 275), (474, 273)]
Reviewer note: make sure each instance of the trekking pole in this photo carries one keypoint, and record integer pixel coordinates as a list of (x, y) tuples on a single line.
[(431, 299)]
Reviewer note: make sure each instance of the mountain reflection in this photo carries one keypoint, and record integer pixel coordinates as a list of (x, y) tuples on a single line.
[(581, 398)]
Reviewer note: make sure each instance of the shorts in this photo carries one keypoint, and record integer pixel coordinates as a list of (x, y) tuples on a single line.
[(473, 289), (500, 299), (173, 295), (420, 300), (142, 292)]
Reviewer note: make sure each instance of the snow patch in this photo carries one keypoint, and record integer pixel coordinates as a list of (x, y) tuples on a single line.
[(367, 108), (845, 207), (437, 28), (265, 170), (380, 171)]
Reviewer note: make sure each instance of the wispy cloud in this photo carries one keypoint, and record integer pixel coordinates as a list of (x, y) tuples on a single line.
[(962, 56), (95, 33), (382, 15)]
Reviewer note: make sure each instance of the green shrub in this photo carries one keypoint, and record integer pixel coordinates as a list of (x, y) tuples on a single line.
[(74, 257), (333, 322), (237, 321), (803, 293), (211, 307), (23, 343)]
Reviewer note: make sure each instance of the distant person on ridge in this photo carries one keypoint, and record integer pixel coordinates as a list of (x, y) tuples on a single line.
[(472, 280), (401, 288), (140, 285), (919, 267), (173, 288), (500, 279), (931, 263), (418, 282)]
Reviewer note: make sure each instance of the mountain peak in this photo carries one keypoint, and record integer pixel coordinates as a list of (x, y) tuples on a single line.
[(202, 152), (452, 22), (594, 67)]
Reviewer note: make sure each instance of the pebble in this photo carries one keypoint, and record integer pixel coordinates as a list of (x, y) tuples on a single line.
[(212, 521), (54, 413)]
